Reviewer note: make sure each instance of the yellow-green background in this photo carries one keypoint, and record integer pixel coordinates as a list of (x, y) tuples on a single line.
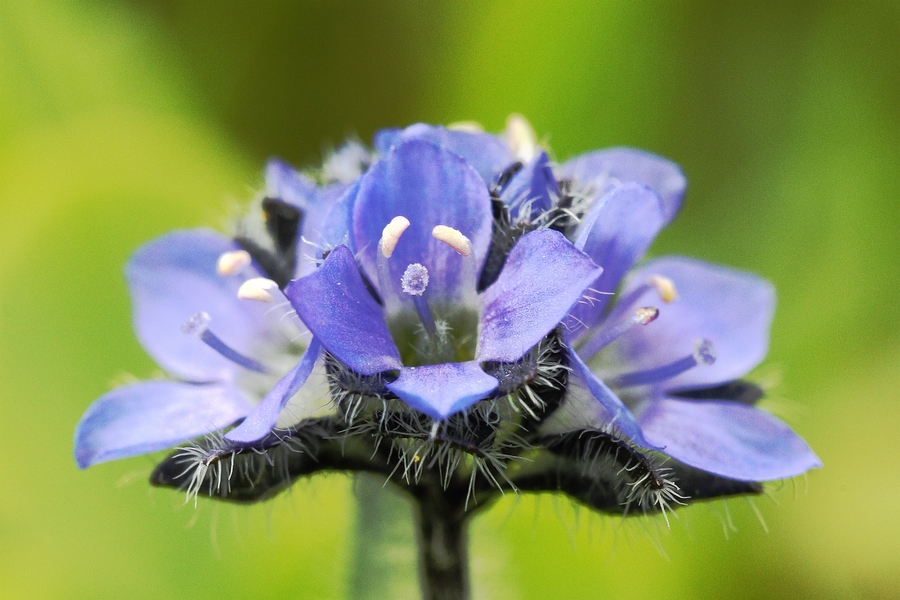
[(121, 120)]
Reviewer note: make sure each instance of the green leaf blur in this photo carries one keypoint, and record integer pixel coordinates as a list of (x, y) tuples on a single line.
[(122, 120)]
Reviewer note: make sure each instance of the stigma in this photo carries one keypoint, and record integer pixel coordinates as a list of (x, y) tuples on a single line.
[(414, 280)]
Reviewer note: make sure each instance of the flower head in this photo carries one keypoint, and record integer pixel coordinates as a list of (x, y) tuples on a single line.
[(473, 316)]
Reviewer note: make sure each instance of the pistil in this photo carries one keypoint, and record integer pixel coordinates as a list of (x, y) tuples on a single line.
[(703, 354), (198, 326), (414, 283)]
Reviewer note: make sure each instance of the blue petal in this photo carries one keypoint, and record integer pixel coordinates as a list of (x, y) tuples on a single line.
[(286, 184), (606, 168), (338, 222), (262, 418), (730, 308), (485, 152), (430, 186), (151, 416), (444, 389), (619, 416), (315, 202), (337, 308), (174, 277), (728, 439), (534, 183), (615, 233), (543, 277)]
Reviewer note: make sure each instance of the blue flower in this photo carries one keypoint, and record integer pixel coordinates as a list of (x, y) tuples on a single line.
[(462, 296)]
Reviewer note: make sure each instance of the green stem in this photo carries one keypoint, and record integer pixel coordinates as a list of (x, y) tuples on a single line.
[(383, 556), (441, 522)]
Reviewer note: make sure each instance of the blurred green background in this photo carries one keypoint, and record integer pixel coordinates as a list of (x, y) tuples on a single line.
[(122, 120)]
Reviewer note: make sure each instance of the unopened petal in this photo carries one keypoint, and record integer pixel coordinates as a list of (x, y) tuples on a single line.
[(534, 187)]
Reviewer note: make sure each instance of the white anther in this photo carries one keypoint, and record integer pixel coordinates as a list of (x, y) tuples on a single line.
[(231, 263), (645, 315), (258, 288), (665, 287), (390, 235), (466, 126), (453, 238), (521, 138), (415, 280)]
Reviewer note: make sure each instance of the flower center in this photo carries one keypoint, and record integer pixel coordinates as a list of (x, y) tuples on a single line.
[(434, 332)]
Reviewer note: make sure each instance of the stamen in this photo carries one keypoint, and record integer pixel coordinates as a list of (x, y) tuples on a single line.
[(232, 263), (258, 288), (664, 287), (521, 137), (608, 335), (198, 326), (703, 354), (390, 235), (453, 238), (414, 282)]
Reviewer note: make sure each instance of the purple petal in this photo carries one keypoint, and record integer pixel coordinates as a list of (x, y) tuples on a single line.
[(534, 183), (616, 232), (730, 308), (430, 186), (618, 414), (153, 415), (444, 389), (485, 152), (543, 277), (606, 168), (262, 418), (337, 308), (728, 439), (174, 277)]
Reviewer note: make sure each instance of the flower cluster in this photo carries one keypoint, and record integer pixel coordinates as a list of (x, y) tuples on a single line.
[(456, 312)]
